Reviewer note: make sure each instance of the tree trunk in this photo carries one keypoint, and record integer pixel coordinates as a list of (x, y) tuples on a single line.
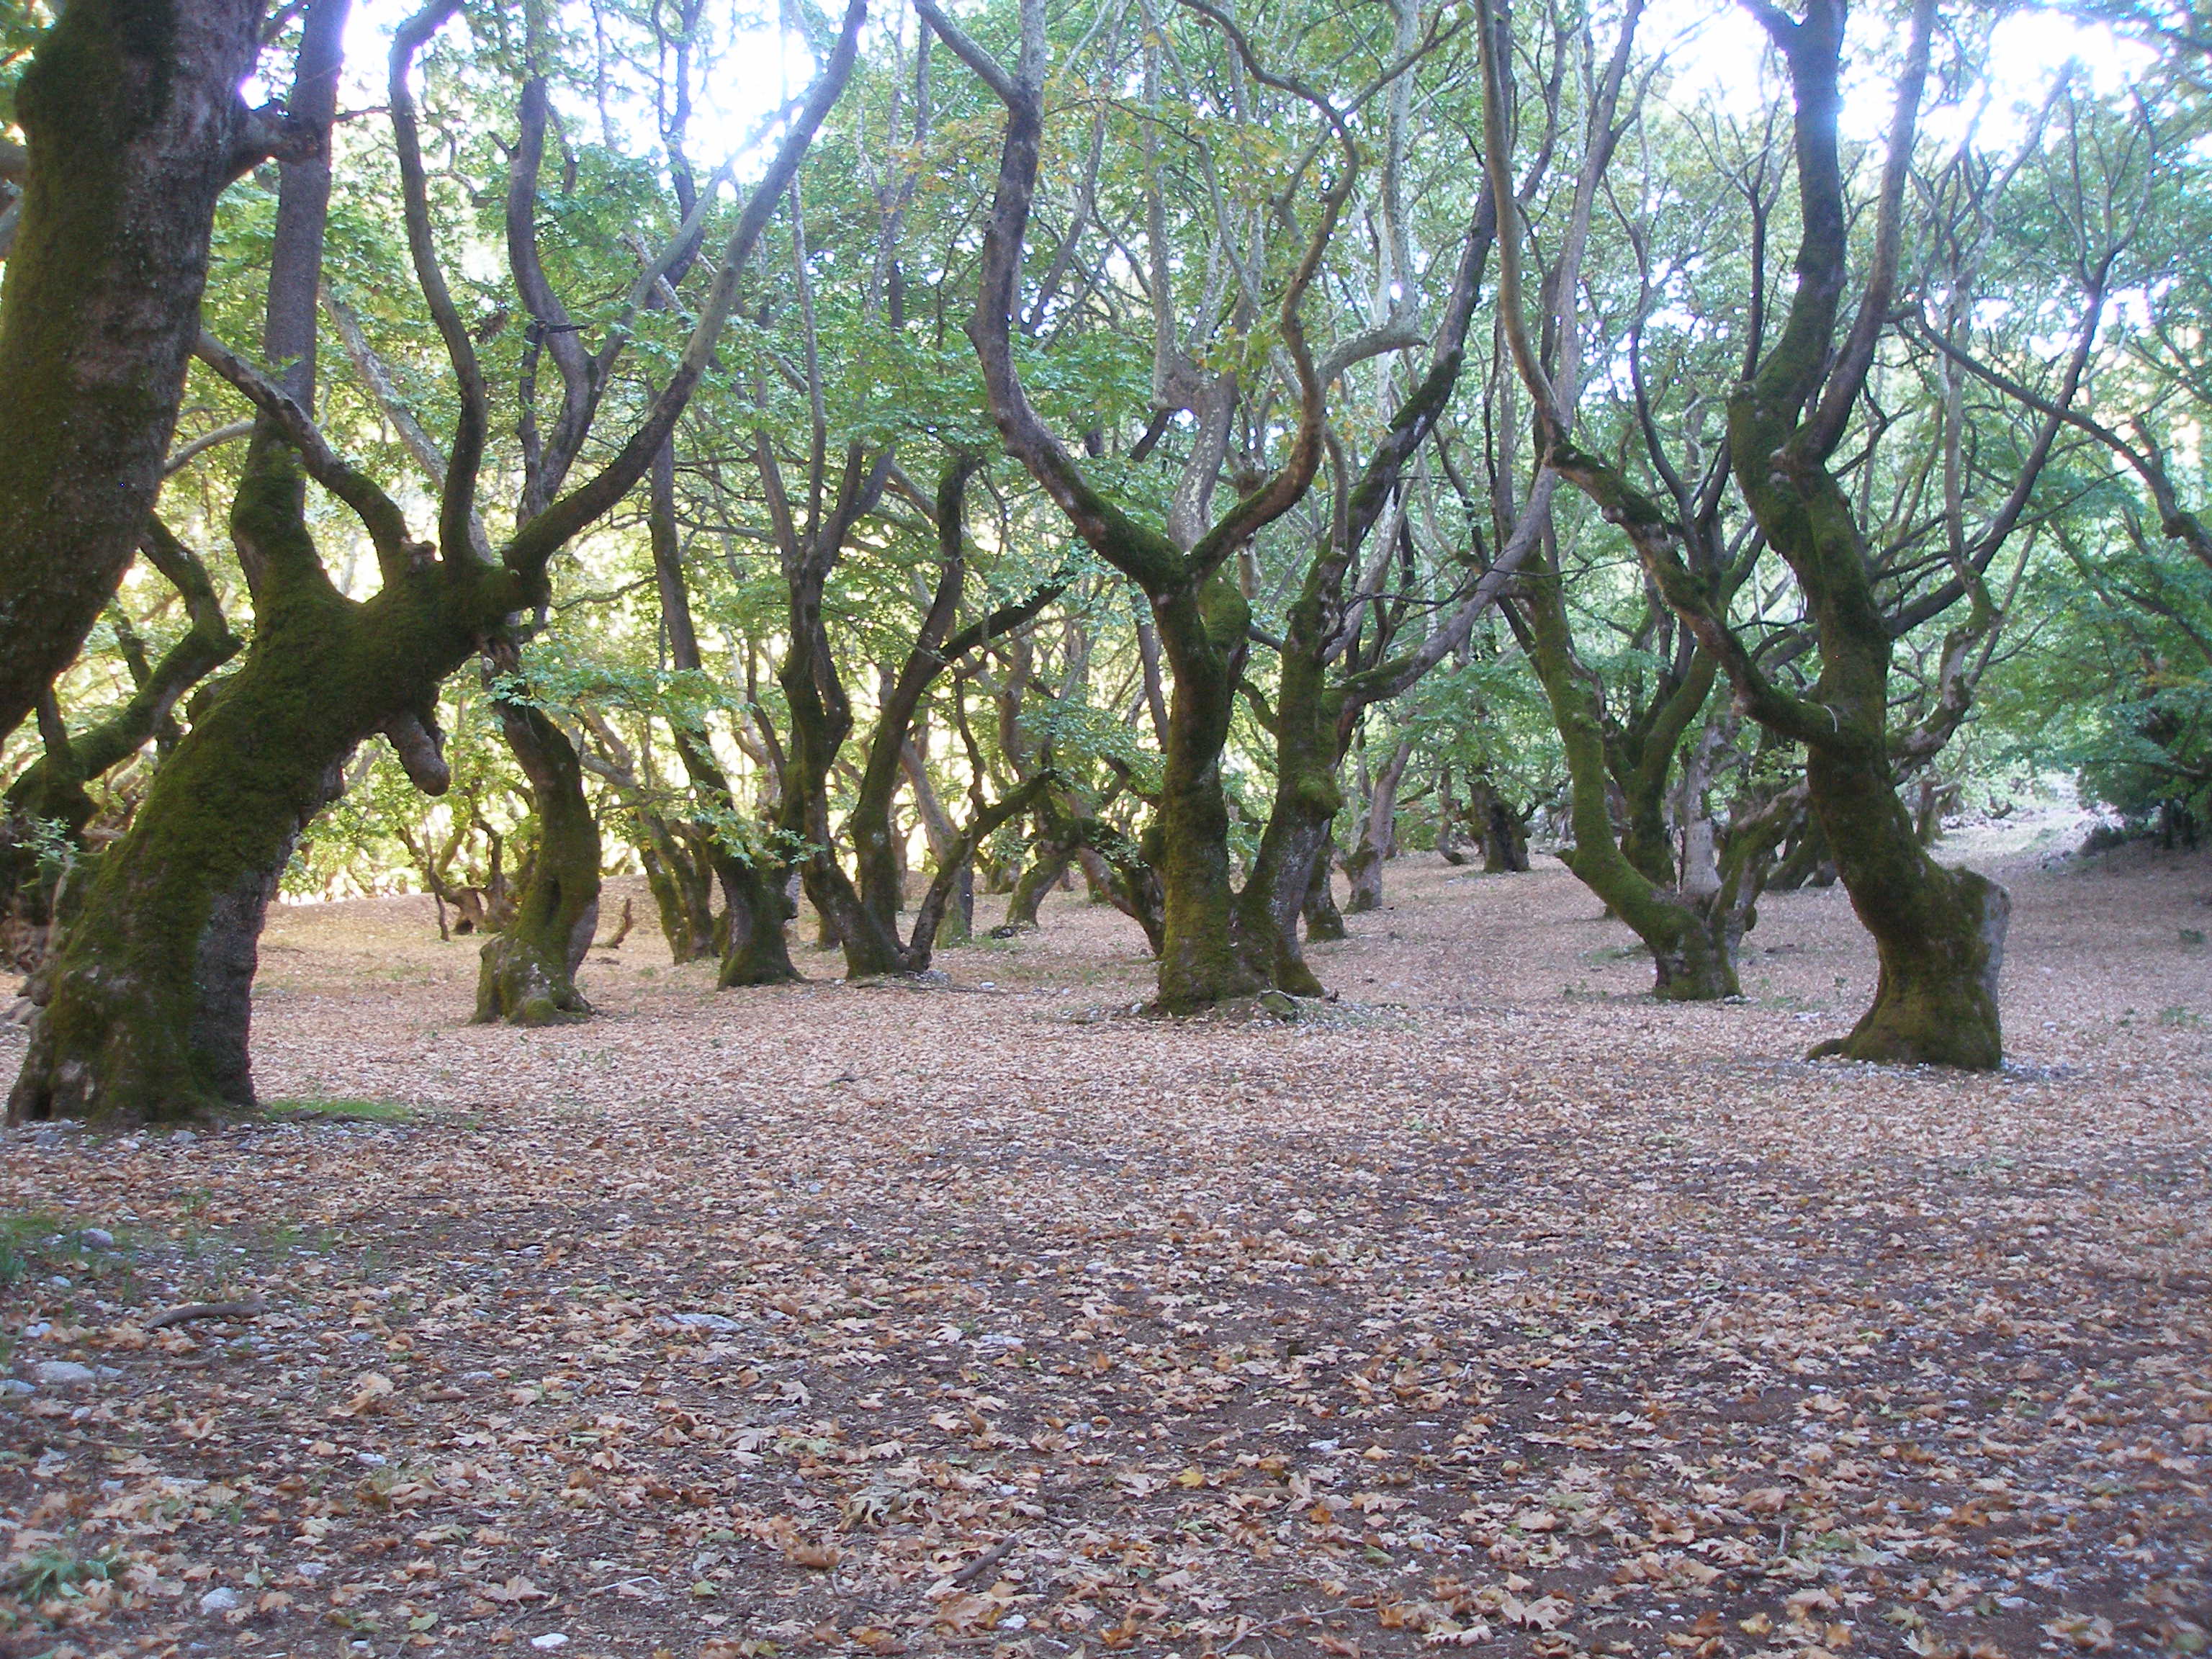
[(1048, 865), (680, 871), (528, 975), (1693, 949), (1324, 921), (51, 789), (821, 719), (1377, 830), (755, 950), (135, 127), (1500, 832), (935, 913), (958, 926), (1939, 933), (1307, 798), (1201, 961), (148, 1011), (1447, 847)]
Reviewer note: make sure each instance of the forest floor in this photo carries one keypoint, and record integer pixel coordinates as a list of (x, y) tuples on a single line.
[(1493, 1305)]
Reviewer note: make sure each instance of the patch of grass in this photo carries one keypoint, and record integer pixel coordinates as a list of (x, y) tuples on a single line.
[(339, 1111), (20, 1239), (31, 1238), (2187, 1020)]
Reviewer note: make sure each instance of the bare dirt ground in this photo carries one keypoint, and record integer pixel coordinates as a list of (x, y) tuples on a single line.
[(1495, 1306)]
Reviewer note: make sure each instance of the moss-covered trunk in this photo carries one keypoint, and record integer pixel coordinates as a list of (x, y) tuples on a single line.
[(1307, 799), (1047, 865), (135, 127), (821, 719), (756, 950), (528, 971), (1693, 944), (51, 791), (1939, 932), (680, 873), (1202, 960)]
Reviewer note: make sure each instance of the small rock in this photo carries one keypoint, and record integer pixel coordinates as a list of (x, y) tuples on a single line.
[(64, 1373), (706, 1322), (219, 1601), (312, 1570), (97, 1238), (1280, 1005), (12, 1386), (550, 1640)]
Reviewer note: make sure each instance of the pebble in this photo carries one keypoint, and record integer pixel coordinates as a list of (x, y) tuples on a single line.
[(706, 1322), (64, 1373), (550, 1641), (219, 1601), (97, 1238), (15, 1385)]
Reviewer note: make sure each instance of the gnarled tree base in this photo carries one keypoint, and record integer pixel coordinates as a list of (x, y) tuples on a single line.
[(1937, 1003), (755, 951), (522, 986)]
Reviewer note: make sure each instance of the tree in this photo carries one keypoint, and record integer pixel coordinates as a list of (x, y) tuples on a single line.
[(1939, 932)]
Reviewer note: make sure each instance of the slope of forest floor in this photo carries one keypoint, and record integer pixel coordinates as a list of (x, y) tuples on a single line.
[(1494, 1305)]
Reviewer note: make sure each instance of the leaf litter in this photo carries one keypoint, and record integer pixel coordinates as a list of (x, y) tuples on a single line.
[(1502, 1308)]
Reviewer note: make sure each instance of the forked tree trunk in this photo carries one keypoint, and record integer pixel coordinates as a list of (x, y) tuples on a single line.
[(149, 1012), (149, 999), (681, 875), (1940, 932), (528, 972), (1693, 944)]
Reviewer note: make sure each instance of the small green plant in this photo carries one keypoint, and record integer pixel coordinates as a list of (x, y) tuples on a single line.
[(2186, 1019), (54, 1570)]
